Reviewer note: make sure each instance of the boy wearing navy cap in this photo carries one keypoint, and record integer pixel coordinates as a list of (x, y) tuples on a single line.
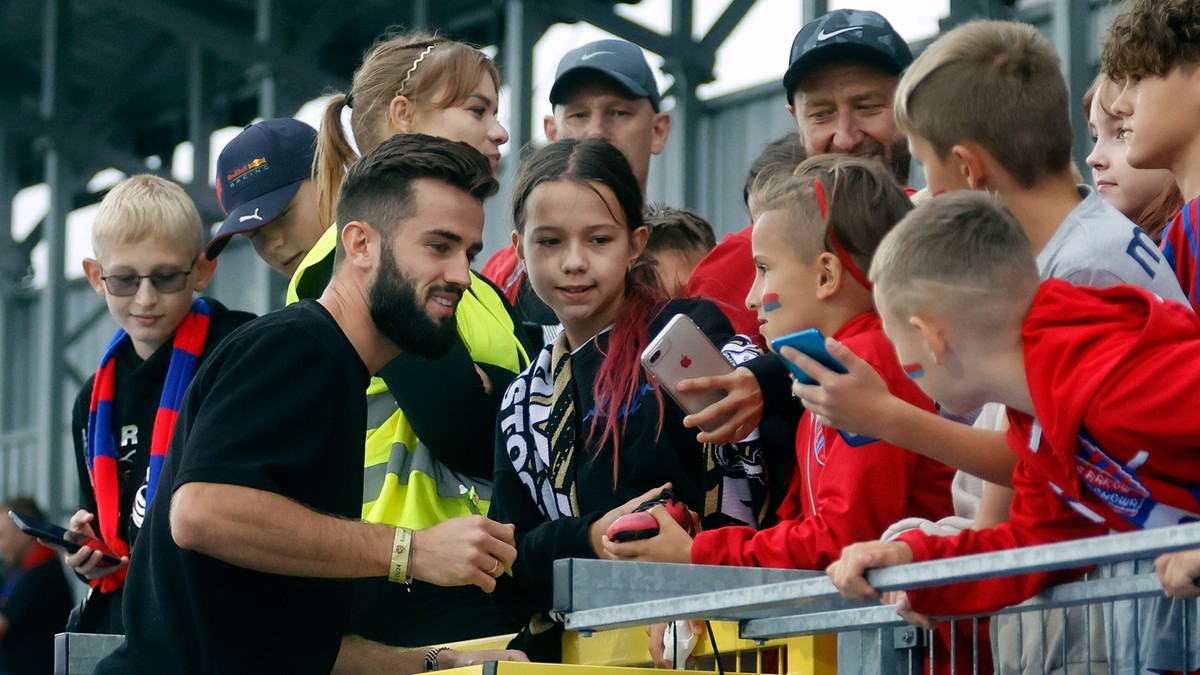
[(264, 185)]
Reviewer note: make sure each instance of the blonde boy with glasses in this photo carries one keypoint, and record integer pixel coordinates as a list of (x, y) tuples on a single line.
[(147, 241)]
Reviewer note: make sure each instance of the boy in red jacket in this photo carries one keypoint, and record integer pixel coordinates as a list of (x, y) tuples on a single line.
[(1083, 371), (816, 234)]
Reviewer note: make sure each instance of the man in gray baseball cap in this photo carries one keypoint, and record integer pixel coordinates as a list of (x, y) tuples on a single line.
[(842, 74), (605, 89)]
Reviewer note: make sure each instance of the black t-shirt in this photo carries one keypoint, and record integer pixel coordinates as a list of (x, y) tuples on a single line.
[(35, 602), (278, 407), (137, 391)]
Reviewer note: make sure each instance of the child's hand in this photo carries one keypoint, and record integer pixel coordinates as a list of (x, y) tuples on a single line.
[(598, 529), (671, 544), (899, 599), (743, 403), (850, 402), (849, 572), (655, 633), (87, 562), (1178, 573)]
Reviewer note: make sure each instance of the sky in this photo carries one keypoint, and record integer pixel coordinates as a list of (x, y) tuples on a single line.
[(742, 63)]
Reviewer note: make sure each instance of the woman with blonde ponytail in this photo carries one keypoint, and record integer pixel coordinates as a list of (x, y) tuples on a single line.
[(431, 426), (414, 82)]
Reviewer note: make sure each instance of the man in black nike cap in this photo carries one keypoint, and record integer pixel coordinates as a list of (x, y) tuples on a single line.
[(842, 73)]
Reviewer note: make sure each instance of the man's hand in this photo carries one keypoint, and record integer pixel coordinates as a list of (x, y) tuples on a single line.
[(363, 657), (1178, 573), (849, 572), (87, 562), (856, 402), (743, 403), (448, 658), (467, 551), (599, 528), (671, 544)]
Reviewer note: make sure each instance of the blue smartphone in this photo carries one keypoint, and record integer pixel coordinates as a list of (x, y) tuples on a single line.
[(812, 344)]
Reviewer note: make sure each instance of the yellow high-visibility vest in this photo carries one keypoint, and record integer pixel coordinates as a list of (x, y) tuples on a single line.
[(403, 483)]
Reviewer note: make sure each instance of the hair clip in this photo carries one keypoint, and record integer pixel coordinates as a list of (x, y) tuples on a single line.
[(413, 68), (821, 203)]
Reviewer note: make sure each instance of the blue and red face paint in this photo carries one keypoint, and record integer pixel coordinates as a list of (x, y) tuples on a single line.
[(770, 302)]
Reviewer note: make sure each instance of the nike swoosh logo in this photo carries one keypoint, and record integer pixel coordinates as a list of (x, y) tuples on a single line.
[(585, 57), (822, 36)]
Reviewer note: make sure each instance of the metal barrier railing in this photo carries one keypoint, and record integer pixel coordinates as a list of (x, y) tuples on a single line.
[(599, 595)]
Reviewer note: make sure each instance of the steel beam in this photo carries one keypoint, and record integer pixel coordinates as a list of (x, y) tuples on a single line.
[(811, 9), (725, 25), (227, 39), (200, 126), (685, 116), (86, 150), (601, 15), (10, 259), (519, 38), (51, 410), (884, 616), (1072, 40), (120, 84), (1064, 555)]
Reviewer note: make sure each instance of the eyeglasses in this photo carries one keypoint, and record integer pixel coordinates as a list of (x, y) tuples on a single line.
[(125, 285)]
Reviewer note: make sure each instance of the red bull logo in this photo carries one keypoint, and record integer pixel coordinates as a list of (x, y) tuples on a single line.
[(243, 171)]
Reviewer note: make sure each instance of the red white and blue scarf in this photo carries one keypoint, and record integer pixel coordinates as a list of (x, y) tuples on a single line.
[(187, 345)]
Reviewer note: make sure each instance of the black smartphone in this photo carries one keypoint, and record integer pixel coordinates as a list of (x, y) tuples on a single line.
[(811, 343), (71, 541)]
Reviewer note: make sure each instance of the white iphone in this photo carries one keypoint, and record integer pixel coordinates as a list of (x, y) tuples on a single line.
[(681, 352)]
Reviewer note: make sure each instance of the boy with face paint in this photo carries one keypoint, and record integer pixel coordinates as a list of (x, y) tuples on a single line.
[(816, 233)]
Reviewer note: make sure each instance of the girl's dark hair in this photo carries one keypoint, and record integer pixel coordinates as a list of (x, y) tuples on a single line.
[(593, 164)]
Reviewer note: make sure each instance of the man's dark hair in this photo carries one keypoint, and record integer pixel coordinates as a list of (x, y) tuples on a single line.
[(780, 156), (378, 188)]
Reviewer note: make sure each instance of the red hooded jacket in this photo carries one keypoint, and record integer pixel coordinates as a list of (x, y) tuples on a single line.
[(1108, 369)]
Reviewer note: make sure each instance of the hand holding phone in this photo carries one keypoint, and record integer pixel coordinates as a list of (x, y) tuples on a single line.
[(67, 540), (682, 352), (812, 344)]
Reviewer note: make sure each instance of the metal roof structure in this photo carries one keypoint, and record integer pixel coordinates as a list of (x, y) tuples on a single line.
[(95, 84)]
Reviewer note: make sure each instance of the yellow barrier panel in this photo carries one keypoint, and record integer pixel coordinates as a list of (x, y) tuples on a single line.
[(605, 650)]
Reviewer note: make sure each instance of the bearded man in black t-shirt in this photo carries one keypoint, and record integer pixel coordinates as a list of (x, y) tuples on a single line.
[(245, 567)]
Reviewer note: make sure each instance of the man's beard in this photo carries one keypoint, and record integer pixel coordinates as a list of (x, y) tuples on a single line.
[(401, 318), (897, 157)]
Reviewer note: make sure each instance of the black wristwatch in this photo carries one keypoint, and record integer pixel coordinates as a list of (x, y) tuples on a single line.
[(431, 662)]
